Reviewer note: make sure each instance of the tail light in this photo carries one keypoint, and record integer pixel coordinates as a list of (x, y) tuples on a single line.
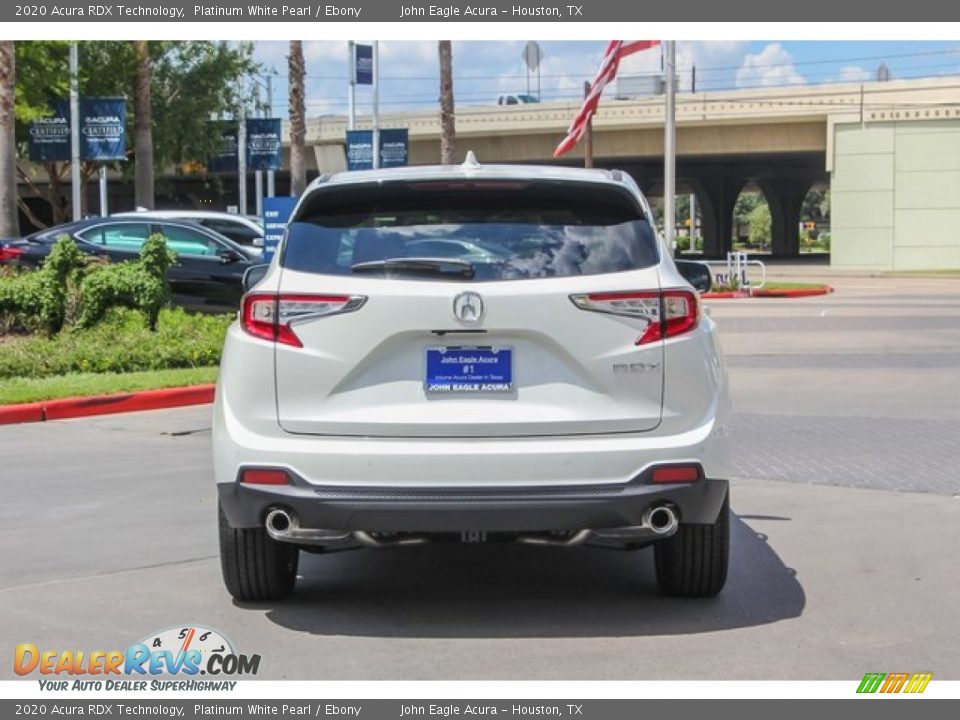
[(10, 253), (669, 312), (270, 316)]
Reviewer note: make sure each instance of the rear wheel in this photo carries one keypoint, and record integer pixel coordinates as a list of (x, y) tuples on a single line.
[(693, 562), (255, 566)]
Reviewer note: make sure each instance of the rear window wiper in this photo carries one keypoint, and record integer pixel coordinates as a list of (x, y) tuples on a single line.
[(417, 265)]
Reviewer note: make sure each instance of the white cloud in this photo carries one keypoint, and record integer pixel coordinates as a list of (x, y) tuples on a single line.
[(771, 67), (854, 73)]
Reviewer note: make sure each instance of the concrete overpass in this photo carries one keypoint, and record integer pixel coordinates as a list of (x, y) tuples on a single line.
[(784, 140)]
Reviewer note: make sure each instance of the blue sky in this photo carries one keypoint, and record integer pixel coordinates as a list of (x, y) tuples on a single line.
[(483, 69)]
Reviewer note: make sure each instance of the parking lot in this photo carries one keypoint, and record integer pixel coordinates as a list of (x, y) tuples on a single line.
[(846, 497)]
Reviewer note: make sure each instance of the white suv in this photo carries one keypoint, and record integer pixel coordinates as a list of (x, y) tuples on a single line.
[(471, 352)]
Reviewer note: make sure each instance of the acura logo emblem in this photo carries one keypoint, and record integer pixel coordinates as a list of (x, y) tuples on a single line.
[(468, 307)]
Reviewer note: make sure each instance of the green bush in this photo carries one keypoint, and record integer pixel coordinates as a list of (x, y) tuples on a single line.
[(121, 343)]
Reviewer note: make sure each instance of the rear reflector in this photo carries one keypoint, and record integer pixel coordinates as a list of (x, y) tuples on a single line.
[(680, 310), (676, 474), (264, 477), (269, 316)]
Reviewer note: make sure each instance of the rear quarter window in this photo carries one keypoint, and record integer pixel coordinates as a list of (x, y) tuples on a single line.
[(505, 230)]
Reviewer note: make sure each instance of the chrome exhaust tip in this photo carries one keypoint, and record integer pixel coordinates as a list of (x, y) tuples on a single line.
[(662, 519), (279, 524)]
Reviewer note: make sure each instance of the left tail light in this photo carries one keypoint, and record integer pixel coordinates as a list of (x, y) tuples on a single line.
[(10, 253), (270, 315), (669, 312)]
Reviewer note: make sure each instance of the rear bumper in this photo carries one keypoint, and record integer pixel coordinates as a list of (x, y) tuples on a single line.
[(491, 509)]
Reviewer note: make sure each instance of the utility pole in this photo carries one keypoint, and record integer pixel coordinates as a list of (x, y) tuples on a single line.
[(669, 147), (75, 131)]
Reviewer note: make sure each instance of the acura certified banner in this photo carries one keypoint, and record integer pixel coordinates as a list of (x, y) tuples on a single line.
[(103, 134)]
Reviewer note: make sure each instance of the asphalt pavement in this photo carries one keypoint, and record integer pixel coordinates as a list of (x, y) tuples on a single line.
[(847, 518)]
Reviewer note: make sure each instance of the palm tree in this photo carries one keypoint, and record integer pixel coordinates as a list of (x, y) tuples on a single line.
[(448, 130), (142, 125), (298, 121), (9, 224)]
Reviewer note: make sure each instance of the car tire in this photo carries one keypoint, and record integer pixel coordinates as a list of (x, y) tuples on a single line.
[(255, 566), (693, 562)]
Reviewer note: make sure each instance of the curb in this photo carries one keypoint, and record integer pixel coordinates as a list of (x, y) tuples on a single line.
[(76, 407), (785, 293)]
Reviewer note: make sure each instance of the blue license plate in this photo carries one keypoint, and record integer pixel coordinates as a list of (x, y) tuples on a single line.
[(469, 370)]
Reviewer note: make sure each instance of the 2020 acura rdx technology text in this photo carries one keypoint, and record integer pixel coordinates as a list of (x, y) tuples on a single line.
[(477, 353)]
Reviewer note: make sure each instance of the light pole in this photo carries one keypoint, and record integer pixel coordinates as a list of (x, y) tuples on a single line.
[(376, 104), (670, 148), (75, 130), (265, 112)]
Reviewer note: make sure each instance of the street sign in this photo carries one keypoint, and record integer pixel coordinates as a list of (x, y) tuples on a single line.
[(276, 215), (363, 64), (532, 55)]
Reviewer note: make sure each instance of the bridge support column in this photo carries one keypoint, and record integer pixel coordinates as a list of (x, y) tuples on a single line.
[(785, 199), (717, 196)]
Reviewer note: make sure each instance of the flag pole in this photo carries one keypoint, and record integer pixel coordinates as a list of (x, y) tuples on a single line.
[(588, 135), (669, 147)]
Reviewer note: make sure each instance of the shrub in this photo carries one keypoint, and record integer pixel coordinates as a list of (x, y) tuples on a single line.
[(121, 343)]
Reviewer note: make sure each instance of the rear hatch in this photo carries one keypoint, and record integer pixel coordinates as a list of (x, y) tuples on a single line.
[(452, 309)]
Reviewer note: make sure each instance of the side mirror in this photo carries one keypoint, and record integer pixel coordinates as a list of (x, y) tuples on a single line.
[(228, 256), (253, 276), (695, 273)]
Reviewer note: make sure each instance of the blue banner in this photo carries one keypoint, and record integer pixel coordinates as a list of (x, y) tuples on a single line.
[(359, 149), (363, 64), (264, 144), (225, 160), (50, 136), (103, 129), (394, 148), (276, 215)]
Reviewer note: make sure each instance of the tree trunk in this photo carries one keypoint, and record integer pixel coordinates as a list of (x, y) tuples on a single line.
[(9, 222), (298, 120), (142, 126), (448, 129)]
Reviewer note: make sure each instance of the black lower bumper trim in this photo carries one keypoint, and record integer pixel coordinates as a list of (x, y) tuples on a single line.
[(528, 509)]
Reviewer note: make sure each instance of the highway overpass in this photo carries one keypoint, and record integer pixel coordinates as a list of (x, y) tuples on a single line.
[(890, 151)]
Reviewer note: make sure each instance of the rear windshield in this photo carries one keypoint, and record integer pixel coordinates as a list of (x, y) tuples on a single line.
[(500, 230)]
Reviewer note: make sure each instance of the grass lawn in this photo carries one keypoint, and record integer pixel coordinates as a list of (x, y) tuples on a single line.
[(948, 272), (792, 286), (23, 390)]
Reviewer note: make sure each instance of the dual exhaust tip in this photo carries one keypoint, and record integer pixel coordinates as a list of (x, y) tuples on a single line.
[(659, 521)]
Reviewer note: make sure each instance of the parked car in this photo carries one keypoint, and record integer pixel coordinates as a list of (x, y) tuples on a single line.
[(208, 274), (516, 99), (245, 230), (562, 387)]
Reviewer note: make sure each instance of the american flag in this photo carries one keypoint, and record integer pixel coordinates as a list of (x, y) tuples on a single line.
[(615, 52)]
